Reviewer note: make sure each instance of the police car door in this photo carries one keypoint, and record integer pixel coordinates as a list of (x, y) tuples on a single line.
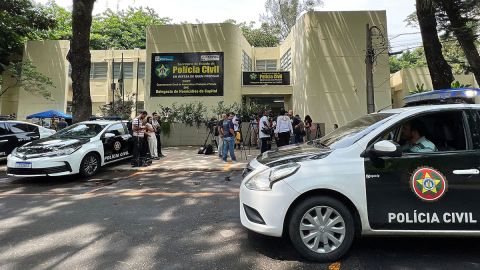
[(427, 191), (117, 146)]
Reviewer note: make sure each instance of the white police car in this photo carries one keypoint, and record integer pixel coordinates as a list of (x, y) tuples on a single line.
[(81, 148), (362, 179)]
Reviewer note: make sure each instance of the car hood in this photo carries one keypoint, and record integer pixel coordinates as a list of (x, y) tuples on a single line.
[(292, 153), (49, 145)]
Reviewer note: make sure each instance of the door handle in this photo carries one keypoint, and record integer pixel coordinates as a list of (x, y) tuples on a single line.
[(466, 172), (2, 141)]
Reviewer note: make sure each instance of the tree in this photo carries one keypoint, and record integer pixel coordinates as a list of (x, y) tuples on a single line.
[(79, 58), (282, 15), (124, 29), (62, 30), (20, 20), (264, 36), (463, 21), (440, 71), (25, 75), (123, 109), (408, 59)]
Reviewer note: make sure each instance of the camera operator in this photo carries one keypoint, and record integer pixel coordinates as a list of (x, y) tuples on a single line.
[(220, 135), (237, 121)]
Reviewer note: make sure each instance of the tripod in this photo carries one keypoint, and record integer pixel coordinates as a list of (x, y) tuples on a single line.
[(210, 132), (248, 137), (140, 158)]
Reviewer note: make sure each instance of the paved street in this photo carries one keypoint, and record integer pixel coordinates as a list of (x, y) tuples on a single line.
[(173, 220)]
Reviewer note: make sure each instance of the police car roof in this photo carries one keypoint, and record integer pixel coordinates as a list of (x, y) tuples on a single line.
[(421, 108), (101, 122), (442, 95)]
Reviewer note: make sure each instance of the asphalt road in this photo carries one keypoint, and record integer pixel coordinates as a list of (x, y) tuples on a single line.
[(171, 220)]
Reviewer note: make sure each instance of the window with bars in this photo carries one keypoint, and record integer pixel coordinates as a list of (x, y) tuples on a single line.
[(127, 70), (266, 65), (247, 63), (141, 70), (286, 61), (98, 70)]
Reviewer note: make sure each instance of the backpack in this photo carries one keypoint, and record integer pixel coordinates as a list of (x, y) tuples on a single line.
[(209, 150)]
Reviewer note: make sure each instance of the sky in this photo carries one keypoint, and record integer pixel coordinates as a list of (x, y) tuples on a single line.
[(214, 11)]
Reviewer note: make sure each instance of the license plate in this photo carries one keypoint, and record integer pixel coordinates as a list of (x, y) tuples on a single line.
[(23, 165)]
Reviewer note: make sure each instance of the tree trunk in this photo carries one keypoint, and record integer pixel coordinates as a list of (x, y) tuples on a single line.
[(79, 57), (463, 33), (440, 70)]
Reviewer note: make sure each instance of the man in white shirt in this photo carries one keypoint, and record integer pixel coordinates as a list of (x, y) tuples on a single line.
[(264, 132), (283, 129)]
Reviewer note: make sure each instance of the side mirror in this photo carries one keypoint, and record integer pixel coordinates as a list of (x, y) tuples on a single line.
[(108, 135), (385, 149)]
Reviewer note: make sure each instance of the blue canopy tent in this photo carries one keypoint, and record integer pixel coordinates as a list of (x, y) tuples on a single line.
[(50, 114)]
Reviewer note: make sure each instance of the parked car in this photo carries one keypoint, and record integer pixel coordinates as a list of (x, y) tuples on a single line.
[(369, 177), (81, 148), (18, 133)]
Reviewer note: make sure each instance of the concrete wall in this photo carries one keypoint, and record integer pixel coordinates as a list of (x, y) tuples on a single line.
[(328, 51), (50, 59), (223, 37), (405, 80)]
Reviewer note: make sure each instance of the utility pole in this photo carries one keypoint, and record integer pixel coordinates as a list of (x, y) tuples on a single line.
[(369, 60), (113, 85)]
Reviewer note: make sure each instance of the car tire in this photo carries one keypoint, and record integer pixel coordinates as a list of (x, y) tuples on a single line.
[(90, 165), (326, 239)]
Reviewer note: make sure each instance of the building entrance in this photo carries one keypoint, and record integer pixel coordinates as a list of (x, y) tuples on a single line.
[(274, 103)]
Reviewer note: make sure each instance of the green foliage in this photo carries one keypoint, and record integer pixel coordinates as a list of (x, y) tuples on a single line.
[(62, 29), (419, 89), (264, 36), (416, 58), (124, 29), (408, 59), (246, 111), (123, 109), (281, 15), (457, 84), (25, 75), (191, 113), (20, 20)]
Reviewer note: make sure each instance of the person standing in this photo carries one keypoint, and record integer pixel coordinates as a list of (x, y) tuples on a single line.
[(228, 138), (220, 135), (308, 127), (283, 129), (62, 124), (236, 128), (138, 129), (157, 125), (151, 138), (264, 133), (298, 129)]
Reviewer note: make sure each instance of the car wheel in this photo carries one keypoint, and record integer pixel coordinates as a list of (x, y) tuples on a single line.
[(321, 229), (90, 165)]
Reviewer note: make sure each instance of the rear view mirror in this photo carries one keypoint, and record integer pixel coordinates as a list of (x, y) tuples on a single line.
[(385, 149)]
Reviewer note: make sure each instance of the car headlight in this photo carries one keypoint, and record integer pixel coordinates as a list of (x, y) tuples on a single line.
[(15, 153), (264, 180), (62, 152)]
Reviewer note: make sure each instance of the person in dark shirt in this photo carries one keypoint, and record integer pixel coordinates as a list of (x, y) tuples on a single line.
[(228, 133), (62, 124)]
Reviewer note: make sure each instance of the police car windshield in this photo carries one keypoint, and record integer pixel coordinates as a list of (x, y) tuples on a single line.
[(80, 130), (353, 131)]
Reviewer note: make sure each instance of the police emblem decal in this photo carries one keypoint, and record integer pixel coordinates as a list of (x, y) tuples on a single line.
[(117, 146), (428, 184)]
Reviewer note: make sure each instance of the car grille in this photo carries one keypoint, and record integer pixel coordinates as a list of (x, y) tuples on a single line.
[(36, 171)]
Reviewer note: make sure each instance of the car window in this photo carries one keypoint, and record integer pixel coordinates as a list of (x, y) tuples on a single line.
[(3, 129), (474, 122), (80, 130), (21, 127), (433, 132), (116, 129), (351, 132)]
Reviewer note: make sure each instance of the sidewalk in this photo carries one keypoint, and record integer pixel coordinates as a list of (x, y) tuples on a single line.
[(185, 158)]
